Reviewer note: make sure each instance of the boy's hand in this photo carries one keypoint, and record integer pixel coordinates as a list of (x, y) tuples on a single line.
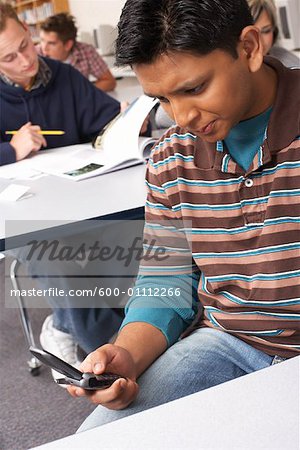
[(110, 358), (27, 140), (130, 356)]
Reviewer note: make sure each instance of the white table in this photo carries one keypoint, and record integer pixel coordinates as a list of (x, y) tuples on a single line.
[(57, 201), (124, 71), (128, 89), (257, 411)]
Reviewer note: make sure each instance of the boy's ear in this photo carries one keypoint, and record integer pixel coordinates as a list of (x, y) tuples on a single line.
[(251, 47), (25, 26)]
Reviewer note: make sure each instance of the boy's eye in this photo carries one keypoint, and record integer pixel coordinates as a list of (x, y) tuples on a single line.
[(195, 90), (267, 30), (12, 56), (24, 45), (9, 58), (163, 100)]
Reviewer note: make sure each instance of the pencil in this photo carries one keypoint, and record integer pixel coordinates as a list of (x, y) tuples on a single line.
[(44, 132)]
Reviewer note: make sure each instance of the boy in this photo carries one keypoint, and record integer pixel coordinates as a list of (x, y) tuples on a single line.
[(228, 171), (58, 41)]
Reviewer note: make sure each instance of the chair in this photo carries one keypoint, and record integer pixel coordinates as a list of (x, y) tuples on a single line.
[(33, 363)]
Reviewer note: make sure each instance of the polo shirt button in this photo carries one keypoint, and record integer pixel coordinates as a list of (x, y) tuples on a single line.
[(248, 182)]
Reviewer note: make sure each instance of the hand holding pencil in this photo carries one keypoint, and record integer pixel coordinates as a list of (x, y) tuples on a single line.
[(29, 138)]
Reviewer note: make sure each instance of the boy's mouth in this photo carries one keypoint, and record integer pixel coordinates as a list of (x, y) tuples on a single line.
[(207, 129)]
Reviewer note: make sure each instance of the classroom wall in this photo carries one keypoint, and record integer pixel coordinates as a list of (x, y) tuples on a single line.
[(91, 13)]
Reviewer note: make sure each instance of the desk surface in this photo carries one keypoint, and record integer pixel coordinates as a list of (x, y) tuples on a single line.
[(65, 201), (93, 198), (257, 411), (117, 71), (127, 90)]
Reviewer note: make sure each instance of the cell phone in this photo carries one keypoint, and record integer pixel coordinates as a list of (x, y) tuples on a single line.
[(72, 375)]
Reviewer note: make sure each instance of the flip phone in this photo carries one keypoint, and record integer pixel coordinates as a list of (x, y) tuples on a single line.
[(72, 375)]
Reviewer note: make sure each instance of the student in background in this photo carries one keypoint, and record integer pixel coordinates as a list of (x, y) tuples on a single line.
[(265, 19), (220, 188), (58, 41), (40, 93)]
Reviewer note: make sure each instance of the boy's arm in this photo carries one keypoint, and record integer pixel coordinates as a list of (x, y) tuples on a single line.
[(100, 70), (7, 154), (151, 325), (144, 342), (106, 82)]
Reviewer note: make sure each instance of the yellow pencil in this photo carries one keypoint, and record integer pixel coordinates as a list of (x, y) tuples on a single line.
[(44, 132)]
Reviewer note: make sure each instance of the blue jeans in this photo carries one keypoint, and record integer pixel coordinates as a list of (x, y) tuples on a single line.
[(204, 359), (91, 325)]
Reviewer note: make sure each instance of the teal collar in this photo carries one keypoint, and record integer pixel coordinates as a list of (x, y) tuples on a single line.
[(245, 139)]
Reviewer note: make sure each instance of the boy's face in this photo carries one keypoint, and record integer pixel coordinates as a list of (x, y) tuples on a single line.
[(53, 47), (18, 57), (207, 95)]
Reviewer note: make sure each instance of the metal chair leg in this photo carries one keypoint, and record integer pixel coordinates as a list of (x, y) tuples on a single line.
[(33, 363)]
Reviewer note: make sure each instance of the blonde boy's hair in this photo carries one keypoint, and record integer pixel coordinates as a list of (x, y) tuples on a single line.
[(7, 12)]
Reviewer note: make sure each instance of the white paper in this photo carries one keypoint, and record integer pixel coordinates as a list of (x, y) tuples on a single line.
[(20, 170), (13, 192)]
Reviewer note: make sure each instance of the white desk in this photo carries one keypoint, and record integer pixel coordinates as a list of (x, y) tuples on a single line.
[(128, 89), (257, 411), (66, 201), (117, 72)]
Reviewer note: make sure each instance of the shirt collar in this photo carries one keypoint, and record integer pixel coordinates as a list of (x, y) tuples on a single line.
[(286, 111), (74, 55), (286, 108)]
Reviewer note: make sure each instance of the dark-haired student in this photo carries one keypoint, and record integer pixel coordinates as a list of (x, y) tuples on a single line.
[(39, 93), (58, 41), (265, 19), (229, 171)]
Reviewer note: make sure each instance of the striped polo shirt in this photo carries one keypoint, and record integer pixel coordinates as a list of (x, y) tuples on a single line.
[(239, 230)]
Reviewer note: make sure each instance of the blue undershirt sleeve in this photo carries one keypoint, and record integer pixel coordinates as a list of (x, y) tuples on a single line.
[(169, 303)]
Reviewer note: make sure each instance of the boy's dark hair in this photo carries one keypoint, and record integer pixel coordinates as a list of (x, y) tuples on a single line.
[(149, 28), (63, 24)]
